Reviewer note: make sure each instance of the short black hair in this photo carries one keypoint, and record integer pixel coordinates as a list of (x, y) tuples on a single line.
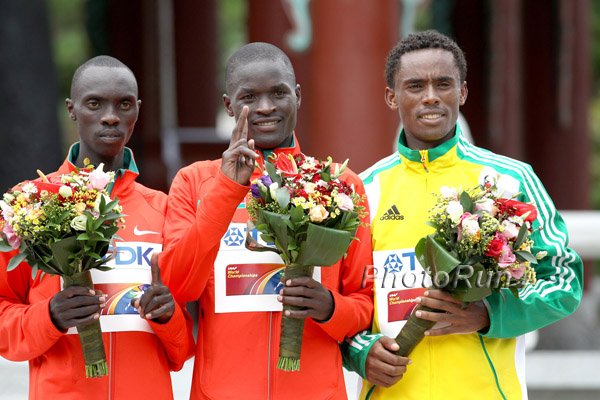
[(98, 61), (430, 39), (252, 52)]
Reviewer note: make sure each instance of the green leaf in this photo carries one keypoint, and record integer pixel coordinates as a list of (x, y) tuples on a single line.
[(521, 236), (282, 195), (323, 246), (83, 236), (15, 261), (437, 257), (466, 202), (514, 291), (5, 246), (523, 255), (296, 214), (272, 173), (61, 252), (470, 295)]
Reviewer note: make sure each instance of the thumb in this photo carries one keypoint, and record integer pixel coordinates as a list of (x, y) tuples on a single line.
[(389, 344), (154, 268)]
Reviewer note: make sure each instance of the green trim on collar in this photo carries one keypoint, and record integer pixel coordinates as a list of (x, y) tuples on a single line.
[(267, 152), (128, 160), (415, 155)]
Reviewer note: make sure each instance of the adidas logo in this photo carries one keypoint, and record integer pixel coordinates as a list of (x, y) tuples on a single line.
[(392, 214)]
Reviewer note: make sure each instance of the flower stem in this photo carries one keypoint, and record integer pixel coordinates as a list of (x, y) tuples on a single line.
[(90, 335), (413, 331), (290, 342)]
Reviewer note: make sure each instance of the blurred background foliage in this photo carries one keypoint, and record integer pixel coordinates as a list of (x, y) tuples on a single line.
[(71, 46)]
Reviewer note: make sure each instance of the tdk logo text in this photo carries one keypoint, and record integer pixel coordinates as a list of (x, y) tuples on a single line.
[(133, 254)]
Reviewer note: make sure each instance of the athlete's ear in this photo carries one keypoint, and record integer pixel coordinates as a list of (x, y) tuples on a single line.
[(227, 104), (390, 98), (463, 93)]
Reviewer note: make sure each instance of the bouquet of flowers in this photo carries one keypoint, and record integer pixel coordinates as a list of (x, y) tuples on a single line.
[(63, 226), (311, 216), (481, 245)]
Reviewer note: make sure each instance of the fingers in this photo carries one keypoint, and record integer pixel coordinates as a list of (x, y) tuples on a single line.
[(155, 270), (74, 306), (241, 126), (384, 368), (389, 344), (311, 299), (442, 295), (156, 303)]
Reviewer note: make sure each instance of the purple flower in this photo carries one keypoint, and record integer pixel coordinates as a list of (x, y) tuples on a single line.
[(13, 240), (266, 180), (254, 190)]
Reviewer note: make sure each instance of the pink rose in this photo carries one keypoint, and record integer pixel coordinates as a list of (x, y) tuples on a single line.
[(517, 271), (13, 240), (98, 178), (487, 206), (506, 257), (509, 230), (344, 202)]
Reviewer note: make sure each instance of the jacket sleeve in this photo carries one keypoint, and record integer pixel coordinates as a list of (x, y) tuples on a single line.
[(176, 337), (356, 350), (559, 287), (26, 330), (198, 215), (353, 310)]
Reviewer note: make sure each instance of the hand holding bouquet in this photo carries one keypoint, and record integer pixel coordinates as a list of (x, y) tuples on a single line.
[(480, 245), (311, 216), (63, 226)]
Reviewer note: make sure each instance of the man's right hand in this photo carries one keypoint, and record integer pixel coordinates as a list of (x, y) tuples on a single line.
[(383, 367), (75, 306), (238, 160)]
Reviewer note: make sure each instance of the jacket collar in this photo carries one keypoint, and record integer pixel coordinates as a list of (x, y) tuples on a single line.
[(433, 153), (264, 154), (124, 177)]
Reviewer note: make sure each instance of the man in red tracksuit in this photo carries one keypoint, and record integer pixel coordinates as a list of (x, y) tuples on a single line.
[(237, 352), (37, 317)]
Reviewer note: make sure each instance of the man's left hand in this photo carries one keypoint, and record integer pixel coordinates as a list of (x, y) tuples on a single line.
[(461, 319), (316, 301), (157, 302)]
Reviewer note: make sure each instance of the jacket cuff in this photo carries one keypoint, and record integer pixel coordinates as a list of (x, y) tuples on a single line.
[(175, 327), (338, 325)]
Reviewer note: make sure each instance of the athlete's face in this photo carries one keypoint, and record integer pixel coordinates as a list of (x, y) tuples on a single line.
[(427, 94), (105, 107), (269, 90)]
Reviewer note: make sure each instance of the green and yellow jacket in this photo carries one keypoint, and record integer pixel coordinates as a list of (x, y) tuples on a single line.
[(486, 365)]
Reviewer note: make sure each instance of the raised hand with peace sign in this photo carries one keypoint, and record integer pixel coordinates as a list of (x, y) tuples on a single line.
[(238, 160), (157, 303)]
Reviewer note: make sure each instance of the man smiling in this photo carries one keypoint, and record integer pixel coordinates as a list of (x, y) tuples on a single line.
[(238, 345), (477, 350)]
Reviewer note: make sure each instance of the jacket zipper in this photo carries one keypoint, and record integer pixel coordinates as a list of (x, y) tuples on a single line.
[(269, 356), (424, 159)]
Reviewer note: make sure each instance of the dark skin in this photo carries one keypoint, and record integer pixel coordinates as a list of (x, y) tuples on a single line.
[(427, 95), (105, 107), (264, 100), (156, 303)]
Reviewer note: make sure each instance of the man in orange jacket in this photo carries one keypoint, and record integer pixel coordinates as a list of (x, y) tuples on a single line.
[(237, 348), (37, 317)]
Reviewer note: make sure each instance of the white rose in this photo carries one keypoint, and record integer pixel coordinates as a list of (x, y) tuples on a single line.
[(454, 211), (272, 187), (486, 205), (309, 187), (470, 226), (449, 192), (65, 191), (317, 213), (509, 230), (78, 223)]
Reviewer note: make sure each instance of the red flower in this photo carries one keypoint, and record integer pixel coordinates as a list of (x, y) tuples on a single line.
[(514, 207), (494, 249), (286, 165)]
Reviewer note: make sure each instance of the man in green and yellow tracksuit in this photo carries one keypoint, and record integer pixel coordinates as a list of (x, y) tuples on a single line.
[(477, 351)]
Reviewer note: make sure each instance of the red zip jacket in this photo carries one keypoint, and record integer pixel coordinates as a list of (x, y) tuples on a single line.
[(138, 362), (237, 353)]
